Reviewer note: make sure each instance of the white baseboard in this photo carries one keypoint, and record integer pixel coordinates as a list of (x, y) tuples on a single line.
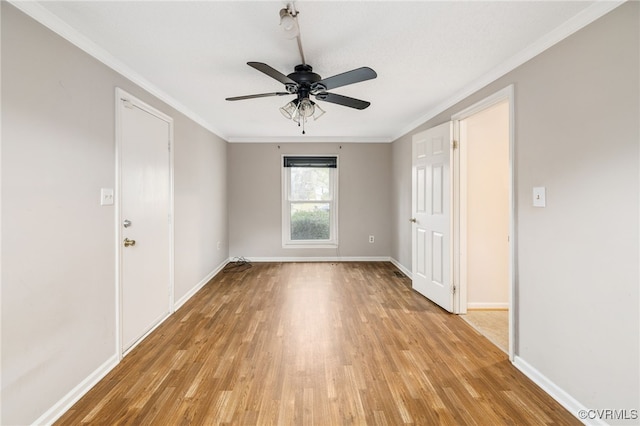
[(482, 305), (321, 259), (401, 267), (567, 401), (61, 407), (178, 304)]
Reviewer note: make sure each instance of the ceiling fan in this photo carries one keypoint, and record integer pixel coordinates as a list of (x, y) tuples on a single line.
[(303, 82)]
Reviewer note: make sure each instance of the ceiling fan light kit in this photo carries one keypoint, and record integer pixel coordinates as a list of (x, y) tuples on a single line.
[(301, 110), (303, 82)]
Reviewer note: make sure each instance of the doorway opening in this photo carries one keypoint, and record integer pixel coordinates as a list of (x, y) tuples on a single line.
[(484, 217)]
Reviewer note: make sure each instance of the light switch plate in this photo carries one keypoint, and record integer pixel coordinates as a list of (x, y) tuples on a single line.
[(106, 196), (539, 196)]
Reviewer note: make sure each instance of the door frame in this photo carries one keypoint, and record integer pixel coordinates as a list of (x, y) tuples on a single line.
[(460, 299), (120, 97)]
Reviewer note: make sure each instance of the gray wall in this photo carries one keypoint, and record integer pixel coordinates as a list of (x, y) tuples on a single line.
[(58, 253), (200, 204), (255, 227), (576, 133)]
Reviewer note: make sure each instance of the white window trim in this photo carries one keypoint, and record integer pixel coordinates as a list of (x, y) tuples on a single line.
[(287, 242)]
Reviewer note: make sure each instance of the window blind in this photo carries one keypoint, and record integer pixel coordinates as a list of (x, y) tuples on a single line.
[(326, 162)]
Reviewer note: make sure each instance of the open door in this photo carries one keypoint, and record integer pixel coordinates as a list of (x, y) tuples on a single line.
[(431, 214)]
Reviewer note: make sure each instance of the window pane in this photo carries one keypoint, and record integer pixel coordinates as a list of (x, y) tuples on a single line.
[(310, 184), (310, 221)]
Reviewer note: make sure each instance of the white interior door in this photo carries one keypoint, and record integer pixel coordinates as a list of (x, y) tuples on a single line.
[(431, 214), (145, 220)]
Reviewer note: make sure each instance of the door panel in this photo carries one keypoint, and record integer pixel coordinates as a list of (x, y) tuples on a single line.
[(421, 241), (145, 206), (421, 191), (437, 244), (437, 191), (431, 214)]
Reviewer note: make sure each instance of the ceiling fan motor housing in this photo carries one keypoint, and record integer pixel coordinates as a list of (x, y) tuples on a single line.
[(303, 74), (305, 77)]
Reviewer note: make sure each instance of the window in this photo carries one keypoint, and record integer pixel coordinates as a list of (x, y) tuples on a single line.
[(309, 207)]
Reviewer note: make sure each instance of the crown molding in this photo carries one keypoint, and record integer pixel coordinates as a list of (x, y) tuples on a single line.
[(42, 15), (308, 139), (579, 21)]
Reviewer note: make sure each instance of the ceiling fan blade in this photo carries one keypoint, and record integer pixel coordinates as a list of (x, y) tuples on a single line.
[(342, 100), (261, 95), (349, 77), (271, 72)]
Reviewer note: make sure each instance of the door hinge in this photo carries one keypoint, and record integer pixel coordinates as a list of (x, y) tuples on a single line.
[(454, 144), (453, 289)]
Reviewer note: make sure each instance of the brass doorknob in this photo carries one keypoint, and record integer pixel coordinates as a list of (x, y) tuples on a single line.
[(413, 219), (129, 243)]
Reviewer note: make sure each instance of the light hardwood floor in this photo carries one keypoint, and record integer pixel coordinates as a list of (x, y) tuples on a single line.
[(315, 343)]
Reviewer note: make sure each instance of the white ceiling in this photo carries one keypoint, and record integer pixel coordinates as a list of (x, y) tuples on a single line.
[(426, 54)]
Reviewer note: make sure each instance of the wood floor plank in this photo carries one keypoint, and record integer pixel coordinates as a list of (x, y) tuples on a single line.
[(315, 344)]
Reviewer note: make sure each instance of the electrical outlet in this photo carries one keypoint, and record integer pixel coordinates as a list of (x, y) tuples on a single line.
[(372, 239)]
